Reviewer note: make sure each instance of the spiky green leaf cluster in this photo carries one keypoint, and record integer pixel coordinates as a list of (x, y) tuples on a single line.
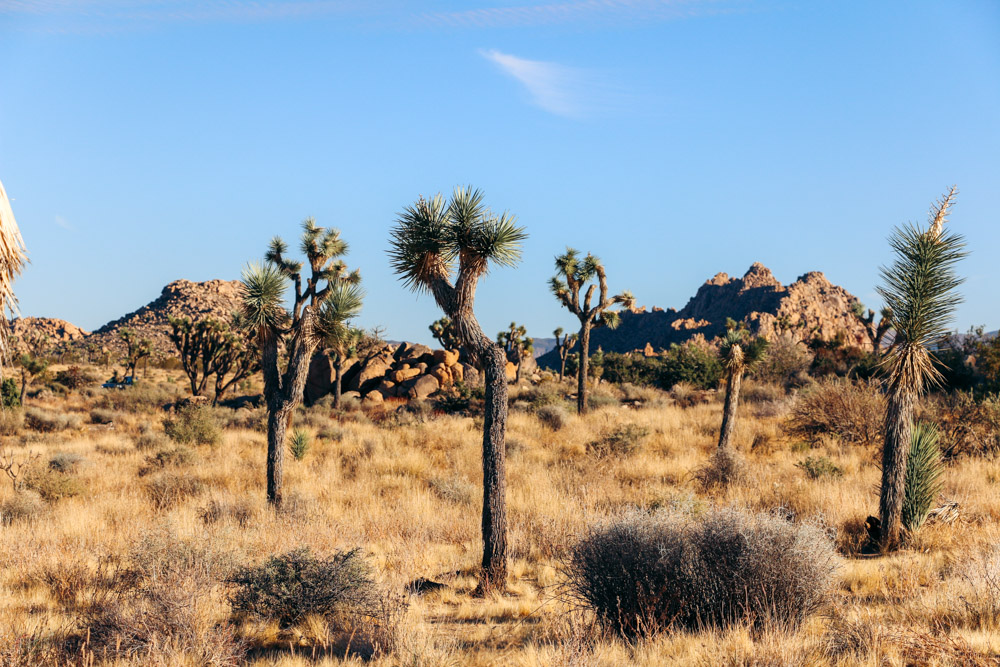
[(340, 306), (924, 470), (264, 286), (431, 236), (739, 352)]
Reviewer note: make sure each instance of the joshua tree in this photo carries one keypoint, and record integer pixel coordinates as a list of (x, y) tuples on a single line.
[(238, 360), (445, 248), (738, 356), (572, 275), (444, 331), (13, 257), (920, 289), (517, 345), (136, 349), (876, 331), (563, 347), (264, 287), (31, 366), (342, 305)]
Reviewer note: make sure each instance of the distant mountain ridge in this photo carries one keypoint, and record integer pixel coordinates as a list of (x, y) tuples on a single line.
[(810, 306)]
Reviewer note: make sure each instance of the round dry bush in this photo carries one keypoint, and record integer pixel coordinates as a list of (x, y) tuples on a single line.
[(851, 411), (646, 573), (726, 466), (22, 506), (553, 416)]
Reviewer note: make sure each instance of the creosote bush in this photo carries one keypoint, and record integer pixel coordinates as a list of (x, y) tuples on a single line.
[(46, 421), (646, 573), (553, 416), (851, 411), (818, 467), (193, 425)]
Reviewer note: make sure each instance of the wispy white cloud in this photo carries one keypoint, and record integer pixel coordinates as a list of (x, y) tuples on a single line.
[(580, 11), (64, 223), (573, 92)]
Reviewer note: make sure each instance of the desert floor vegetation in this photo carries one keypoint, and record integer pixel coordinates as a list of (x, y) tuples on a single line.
[(135, 535)]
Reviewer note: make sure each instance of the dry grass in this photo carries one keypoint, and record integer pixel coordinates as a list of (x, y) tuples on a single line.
[(408, 492)]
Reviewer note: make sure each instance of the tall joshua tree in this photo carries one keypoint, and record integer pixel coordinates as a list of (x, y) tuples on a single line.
[(136, 349), (739, 354), (298, 329), (445, 333), (341, 339), (445, 248), (516, 344), (572, 275), (13, 257), (563, 347), (920, 289)]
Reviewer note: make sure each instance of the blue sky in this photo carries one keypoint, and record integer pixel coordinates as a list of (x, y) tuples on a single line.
[(147, 141)]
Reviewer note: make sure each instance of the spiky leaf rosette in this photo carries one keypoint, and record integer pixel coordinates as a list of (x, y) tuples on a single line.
[(263, 286), (342, 304), (13, 257), (924, 470), (919, 289)]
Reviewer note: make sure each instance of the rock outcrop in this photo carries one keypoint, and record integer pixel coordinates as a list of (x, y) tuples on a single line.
[(181, 298), (44, 331), (810, 307)]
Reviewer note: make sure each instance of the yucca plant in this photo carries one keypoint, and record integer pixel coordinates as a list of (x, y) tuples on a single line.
[(13, 257), (920, 289), (739, 353), (299, 328), (445, 248), (924, 468), (299, 444), (341, 339), (572, 275)]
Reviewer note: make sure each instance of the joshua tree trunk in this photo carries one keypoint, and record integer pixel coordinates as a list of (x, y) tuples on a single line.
[(517, 373), (24, 385), (457, 304), (338, 369), (283, 392), (733, 383), (562, 367), (581, 376), (896, 449)]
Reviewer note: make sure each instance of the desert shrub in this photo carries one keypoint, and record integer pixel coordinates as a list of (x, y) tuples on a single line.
[(75, 377), (193, 425), (155, 605), (299, 444), (52, 484), (238, 511), (149, 440), (755, 391), (11, 421), (453, 489), (686, 395), (553, 416), (296, 584), (723, 468), (67, 462), (103, 416), (787, 362), (179, 455), (141, 397), (601, 398), (820, 467), (543, 394), (167, 488), (46, 421), (851, 411), (645, 573), (924, 469), (691, 363), (966, 426), (978, 599), (251, 419), (10, 395), (641, 395), (619, 441), (22, 506)]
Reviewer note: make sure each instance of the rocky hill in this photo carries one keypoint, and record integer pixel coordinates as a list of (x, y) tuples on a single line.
[(181, 298), (811, 306), (44, 331)]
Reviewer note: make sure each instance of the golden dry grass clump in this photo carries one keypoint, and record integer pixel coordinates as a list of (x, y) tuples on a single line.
[(125, 545)]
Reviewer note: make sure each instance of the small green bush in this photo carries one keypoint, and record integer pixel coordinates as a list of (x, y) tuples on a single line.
[(51, 484), (820, 467), (10, 395), (299, 444), (193, 425), (924, 469)]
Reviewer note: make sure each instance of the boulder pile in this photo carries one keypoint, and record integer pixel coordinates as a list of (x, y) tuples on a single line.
[(404, 370)]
